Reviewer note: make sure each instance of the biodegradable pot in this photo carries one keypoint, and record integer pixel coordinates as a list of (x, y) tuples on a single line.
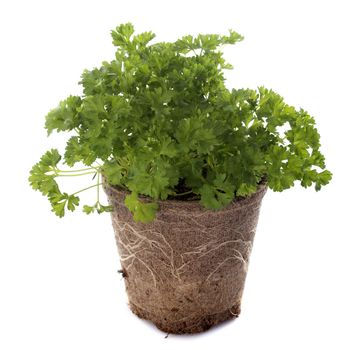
[(186, 270)]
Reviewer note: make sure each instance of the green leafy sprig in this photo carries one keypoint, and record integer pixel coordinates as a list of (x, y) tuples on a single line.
[(158, 120), (43, 178)]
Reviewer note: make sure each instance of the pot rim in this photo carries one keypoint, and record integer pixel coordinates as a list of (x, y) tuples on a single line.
[(192, 203)]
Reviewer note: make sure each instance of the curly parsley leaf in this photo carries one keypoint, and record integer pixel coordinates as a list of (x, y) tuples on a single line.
[(65, 117), (218, 194), (43, 173), (97, 207), (113, 172), (60, 202), (144, 212)]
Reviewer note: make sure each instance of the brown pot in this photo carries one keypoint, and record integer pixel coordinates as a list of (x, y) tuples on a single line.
[(186, 270)]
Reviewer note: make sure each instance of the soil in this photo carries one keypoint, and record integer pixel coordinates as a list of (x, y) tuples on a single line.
[(186, 270)]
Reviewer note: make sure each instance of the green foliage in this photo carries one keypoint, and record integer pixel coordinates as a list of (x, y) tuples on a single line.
[(159, 115), (144, 212), (98, 207), (42, 178)]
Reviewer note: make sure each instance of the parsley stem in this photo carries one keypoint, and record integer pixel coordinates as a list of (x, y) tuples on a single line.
[(74, 171), (86, 188), (182, 194), (90, 172), (98, 188)]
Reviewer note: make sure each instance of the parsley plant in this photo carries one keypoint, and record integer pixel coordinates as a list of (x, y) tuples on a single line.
[(159, 121)]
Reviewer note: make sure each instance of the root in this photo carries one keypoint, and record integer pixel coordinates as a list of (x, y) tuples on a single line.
[(135, 244), (138, 245), (133, 256), (212, 246), (238, 257)]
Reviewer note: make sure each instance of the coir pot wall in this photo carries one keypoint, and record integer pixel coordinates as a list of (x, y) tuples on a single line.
[(186, 270)]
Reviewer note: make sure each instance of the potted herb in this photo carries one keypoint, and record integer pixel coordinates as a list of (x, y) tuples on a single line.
[(185, 164)]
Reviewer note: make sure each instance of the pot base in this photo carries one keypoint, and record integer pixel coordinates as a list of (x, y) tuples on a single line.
[(190, 325)]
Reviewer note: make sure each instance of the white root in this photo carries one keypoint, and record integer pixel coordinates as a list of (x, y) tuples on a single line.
[(135, 244), (214, 245), (131, 240)]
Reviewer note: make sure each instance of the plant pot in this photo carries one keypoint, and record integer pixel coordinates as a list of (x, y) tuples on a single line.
[(186, 270)]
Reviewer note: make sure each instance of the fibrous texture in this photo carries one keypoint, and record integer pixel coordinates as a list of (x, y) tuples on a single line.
[(185, 271)]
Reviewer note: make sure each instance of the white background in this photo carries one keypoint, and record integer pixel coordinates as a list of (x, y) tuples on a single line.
[(59, 287)]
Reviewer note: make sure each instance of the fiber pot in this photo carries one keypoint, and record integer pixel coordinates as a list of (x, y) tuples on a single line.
[(186, 270)]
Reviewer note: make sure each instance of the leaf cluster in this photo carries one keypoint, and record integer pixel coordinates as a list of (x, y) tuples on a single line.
[(159, 121)]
